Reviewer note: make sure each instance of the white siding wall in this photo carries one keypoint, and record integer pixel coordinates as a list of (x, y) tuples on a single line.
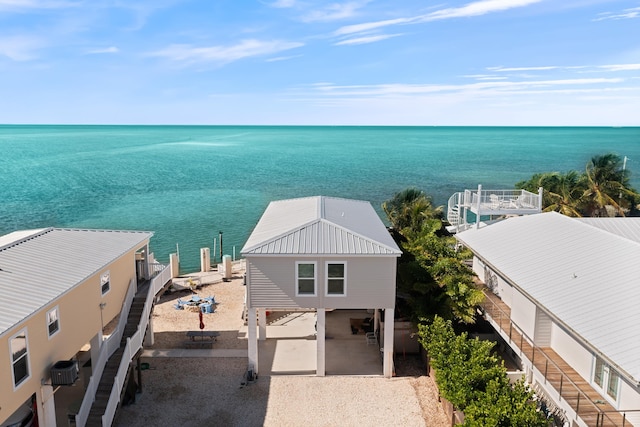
[(503, 290), (523, 313), (580, 359), (371, 283), (630, 399)]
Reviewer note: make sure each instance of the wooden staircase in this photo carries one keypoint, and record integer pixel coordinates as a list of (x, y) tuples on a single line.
[(105, 386)]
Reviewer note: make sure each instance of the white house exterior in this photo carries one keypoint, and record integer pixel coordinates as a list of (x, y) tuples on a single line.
[(320, 253), (58, 290), (564, 294)]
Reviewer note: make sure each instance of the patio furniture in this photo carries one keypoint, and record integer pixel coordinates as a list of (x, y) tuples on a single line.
[(212, 335), (371, 338)]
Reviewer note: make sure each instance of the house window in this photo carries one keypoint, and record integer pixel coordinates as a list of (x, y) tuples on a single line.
[(53, 324), (105, 281), (336, 278), (606, 378), (19, 357), (612, 387), (306, 278), (599, 372)]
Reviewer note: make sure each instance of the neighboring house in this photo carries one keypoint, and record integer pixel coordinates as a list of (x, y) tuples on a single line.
[(58, 290), (564, 294), (320, 253)]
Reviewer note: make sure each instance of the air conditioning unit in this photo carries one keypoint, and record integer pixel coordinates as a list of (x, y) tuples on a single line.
[(64, 372)]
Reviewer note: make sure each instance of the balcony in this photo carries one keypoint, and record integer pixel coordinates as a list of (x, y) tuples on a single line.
[(549, 372), (473, 207)]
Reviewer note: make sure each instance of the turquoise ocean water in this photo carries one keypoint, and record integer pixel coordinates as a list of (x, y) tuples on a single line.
[(187, 183)]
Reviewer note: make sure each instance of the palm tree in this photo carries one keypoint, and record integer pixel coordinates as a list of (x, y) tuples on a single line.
[(409, 209), (563, 193), (606, 182)]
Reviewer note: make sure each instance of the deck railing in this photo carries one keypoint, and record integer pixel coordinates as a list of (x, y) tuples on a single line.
[(567, 389), (490, 203)]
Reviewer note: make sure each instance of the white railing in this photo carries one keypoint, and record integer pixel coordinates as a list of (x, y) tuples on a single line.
[(490, 203), (161, 274), (134, 343), (108, 347)]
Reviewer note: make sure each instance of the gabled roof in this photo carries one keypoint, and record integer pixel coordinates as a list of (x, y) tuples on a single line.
[(581, 272), (320, 225), (38, 266)]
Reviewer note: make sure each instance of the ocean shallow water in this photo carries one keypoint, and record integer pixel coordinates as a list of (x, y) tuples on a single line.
[(188, 183)]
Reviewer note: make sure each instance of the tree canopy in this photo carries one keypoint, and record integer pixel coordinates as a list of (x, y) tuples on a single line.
[(603, 189), (432, 278)]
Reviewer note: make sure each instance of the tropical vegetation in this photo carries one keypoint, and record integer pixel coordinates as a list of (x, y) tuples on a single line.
[(603, 189), (432, 277), (471, 377)]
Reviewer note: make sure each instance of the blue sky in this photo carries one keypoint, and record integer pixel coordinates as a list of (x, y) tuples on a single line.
[(360, 62)]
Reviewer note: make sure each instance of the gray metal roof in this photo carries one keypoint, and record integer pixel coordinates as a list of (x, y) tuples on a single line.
[(38, 266), (320, 225), (585, 275)]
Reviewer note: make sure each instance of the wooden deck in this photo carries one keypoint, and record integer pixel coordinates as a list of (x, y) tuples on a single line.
[(568, 384)]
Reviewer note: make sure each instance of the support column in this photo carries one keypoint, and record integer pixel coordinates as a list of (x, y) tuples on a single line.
[(253, 338), (320, 342), (149, 339), (387, 363), (96, 344), (147, 269), (376, 321), (262, 324), (46, 406)]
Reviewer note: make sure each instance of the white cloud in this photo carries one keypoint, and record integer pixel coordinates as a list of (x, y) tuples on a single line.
[(335, 12), (368, 26), (481, 87), (631, 13), (366, 39), (585, 68), (282, 58), (20, 48), (188, 54), (283, 4), (18, 5), (477, 8), (111, 49), (621, 67), (509, 69)]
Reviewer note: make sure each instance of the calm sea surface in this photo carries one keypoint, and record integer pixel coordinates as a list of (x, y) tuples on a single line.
[(187, 183)]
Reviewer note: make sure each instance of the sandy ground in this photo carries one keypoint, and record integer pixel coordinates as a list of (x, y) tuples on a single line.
[(197, 391)]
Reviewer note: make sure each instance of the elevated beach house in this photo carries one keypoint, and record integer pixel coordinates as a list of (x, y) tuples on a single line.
[(74, 308), (563, 295), (320, 253)]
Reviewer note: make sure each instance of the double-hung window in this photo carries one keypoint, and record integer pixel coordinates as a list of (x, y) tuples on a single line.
[(105, 282), (19, 357), (305, 278), (336, 274), (53, 322)]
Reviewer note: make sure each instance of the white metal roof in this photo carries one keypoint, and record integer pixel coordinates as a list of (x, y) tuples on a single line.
[(628, 228), (585, 275), (38, 266), (320, 225)]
